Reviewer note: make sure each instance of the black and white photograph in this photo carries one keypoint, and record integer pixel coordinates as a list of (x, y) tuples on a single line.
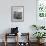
[(17, 13)]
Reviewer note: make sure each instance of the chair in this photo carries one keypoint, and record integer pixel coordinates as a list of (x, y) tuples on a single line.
[(7, 35), (26, 41), (14, 32)]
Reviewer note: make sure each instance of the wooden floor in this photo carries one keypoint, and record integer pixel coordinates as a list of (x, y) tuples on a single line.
[(13, 44)]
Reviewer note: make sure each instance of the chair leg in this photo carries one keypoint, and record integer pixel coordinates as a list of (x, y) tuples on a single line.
[(5, 43), (5, 40)]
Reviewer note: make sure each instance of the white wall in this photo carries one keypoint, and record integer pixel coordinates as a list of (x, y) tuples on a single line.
[(29, 15)]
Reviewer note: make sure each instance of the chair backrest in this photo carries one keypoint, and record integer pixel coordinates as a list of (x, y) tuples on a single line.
[(24, 37)]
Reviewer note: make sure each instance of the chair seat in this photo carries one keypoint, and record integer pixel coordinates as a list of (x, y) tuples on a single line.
[(9, 34)]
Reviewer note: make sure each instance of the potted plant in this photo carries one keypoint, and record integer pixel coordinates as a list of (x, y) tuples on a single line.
[(39, 35)]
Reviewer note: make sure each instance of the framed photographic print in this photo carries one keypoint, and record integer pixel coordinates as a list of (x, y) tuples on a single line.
[(17, 13)]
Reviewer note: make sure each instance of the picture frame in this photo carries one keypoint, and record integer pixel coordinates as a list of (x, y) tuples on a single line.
[(17, 13)]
